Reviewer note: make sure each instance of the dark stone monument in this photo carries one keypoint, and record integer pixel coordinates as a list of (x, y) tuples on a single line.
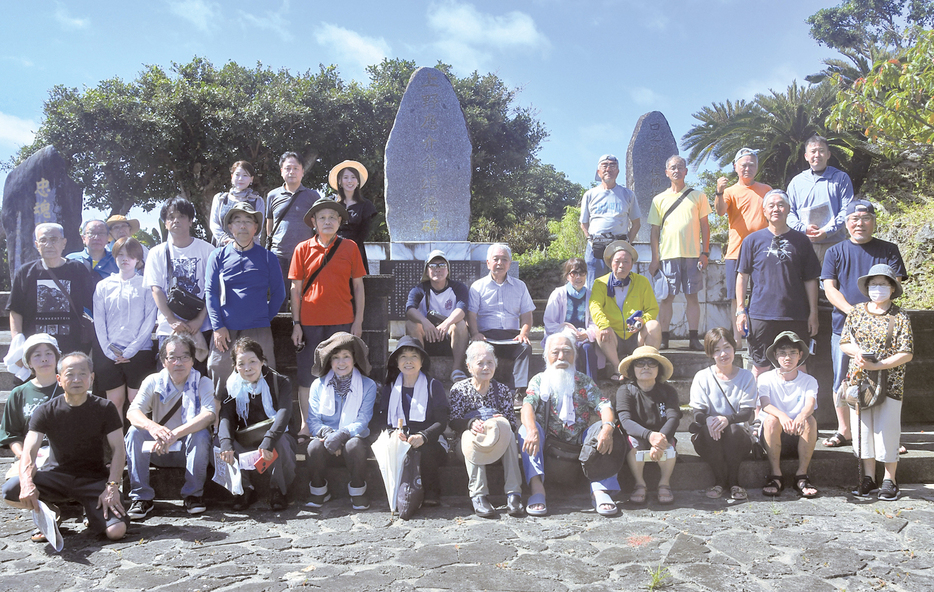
[(428, 164), (651, 145), (39, 190)]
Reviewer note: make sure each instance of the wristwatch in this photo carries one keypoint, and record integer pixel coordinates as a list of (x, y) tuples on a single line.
[(741, 311), (296, 322), (706, 254)]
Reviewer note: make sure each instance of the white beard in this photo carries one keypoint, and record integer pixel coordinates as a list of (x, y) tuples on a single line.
[(557, 381)]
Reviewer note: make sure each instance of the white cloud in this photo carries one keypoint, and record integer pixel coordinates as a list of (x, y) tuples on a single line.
[(467, 38), (646, 97), (274, 22), (353, 51), (15, 131), (200, 13), (67, 21)]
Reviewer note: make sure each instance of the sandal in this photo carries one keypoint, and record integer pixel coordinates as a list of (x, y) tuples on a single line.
[(773, 486), (837, 440), (738, 493), (802, 484), (638, 494), (664, 495), (902, 449), (38, 537), (603, 503), (714, 492), (537, 500)]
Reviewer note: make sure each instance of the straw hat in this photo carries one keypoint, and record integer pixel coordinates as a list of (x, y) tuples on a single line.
[(488, 447), (347, 164), (796, 341), (325, 203), (134, 224), (877, 270), (340, 340), (617, 246), (242, 207), (647, 351)]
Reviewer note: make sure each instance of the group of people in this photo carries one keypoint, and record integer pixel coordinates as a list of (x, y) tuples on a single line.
[(88, 318)]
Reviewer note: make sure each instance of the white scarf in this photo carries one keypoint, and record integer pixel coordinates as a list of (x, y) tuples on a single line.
[(191, 400), (419, 405), (564, 402), (327, 405), (241, 390)]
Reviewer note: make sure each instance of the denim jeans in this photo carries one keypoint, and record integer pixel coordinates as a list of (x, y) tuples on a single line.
[(535, 465), (595, 267), (194, 456)]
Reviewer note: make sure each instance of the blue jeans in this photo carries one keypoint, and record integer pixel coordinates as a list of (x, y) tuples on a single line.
[(595, 267), (841, 364), (535, 465), (587, 359), (194, 456)]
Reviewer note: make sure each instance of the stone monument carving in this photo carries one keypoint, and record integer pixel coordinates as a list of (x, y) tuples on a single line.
[(39, 190), (651, 144), (428, 164)]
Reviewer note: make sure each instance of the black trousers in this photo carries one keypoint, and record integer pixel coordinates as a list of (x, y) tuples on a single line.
[(724, 455)]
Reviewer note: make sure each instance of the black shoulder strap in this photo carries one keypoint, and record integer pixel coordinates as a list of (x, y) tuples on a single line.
[(168, 265), (71, 303), (327, 258), (678, 201), (278, 219), (172, 411)]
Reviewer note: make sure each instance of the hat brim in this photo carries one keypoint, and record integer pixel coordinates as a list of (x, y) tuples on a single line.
[(491, 453), (796, 341), (340, 340), (436, 254), (257, 216), (404, 342), (647, 351), (347, 164), (325, 204), (615, 247), (134, 224), (863, 284)]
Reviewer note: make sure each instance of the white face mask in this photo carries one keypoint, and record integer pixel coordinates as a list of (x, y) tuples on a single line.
[(879, 293)]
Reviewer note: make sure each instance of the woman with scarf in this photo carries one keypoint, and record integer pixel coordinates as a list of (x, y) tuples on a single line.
[(256, 407), (649, 412), (241, 177), (567, 310), (420, 403), (347, 178), (340, 407)]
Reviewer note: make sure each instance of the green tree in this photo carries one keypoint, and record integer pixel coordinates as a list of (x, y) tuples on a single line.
[(894, 105)]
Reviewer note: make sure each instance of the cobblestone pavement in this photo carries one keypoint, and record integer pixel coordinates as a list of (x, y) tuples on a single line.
[(834, 542)]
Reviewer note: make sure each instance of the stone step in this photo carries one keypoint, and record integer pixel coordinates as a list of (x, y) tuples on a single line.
[(830, 467)]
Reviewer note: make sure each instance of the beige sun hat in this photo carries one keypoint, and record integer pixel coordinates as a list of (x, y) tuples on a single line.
[(647, 351), (341, 340), (488, 447), (113, 220), (242, 207), (325, 203), (617, 246), (347, 164)]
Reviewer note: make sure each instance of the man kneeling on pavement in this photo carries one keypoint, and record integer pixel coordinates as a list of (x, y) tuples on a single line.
[(169, 419), (559, 406)]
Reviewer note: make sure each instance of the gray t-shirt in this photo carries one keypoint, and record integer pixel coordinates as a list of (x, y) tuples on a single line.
[(609, 210), (727, 398), (293, 229)]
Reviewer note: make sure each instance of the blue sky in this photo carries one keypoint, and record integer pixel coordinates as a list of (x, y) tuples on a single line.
[(590, 69)]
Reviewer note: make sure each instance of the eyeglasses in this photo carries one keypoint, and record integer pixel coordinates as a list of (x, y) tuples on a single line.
[(645, 364), (184, 359), (437, 266), (98, 233), (48, 241), (577, 272), (120, 226)]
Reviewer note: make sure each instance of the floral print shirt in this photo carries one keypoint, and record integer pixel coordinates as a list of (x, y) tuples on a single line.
[(588, 402), (868, 330)]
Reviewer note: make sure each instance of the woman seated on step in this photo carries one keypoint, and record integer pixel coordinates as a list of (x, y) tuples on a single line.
[(723, 399), (568, 310), (649, 413)]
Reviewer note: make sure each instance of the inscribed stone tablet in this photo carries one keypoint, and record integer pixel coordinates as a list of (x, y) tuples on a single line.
[(651, 145)]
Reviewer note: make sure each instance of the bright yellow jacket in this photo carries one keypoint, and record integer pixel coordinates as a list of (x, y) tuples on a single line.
[(605, 313)]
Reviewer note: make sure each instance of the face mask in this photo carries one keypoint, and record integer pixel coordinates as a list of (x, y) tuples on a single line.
[(879, 293)]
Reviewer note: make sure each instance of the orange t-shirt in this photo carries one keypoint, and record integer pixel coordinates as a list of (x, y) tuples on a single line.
[(744, 212), (327, 301)]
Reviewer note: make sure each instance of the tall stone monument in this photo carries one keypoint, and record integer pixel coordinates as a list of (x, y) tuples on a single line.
[(651, 144), (39, 190), (427, 167)]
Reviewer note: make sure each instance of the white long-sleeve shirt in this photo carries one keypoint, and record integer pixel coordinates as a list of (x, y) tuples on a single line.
[(124, 315)]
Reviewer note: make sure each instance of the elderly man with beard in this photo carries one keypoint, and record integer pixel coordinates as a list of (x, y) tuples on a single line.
[(565, 402)]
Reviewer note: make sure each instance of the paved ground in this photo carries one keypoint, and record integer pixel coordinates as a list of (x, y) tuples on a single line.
[(834, 542)]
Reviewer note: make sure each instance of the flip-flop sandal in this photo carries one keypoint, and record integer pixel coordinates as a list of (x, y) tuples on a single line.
[(38, 537), (902, 449), (602, 498), (773, 486), (836, 441), (738, 493), (714, 492), (664, 495), (537, 500), (638, 494), (801, 483)]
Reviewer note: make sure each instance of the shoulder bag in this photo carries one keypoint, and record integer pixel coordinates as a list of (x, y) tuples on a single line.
[(868, 388), (327, 259), (181, 302), (556, 448), (252, 436)]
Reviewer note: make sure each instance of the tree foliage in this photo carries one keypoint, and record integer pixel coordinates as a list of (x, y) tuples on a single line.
[(177, 131), (894, 105), (777, 125)]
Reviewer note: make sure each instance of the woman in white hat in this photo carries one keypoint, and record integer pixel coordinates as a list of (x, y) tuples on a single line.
[(649, 413), (347, 178), (877, 336), (241, 177), (482, 413), (340, 408)]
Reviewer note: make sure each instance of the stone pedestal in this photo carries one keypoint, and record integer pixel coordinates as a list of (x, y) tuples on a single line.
[(376, 322)]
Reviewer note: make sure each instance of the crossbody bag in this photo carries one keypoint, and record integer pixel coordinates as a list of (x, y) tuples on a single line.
[(327, 258), (278, 220), (87, 323), (868, 388), (181, 302)]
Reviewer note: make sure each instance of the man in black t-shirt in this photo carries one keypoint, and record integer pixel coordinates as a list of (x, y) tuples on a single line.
[(76, 425), (51, 294)]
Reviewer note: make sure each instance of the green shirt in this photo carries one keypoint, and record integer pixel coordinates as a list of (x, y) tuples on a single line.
[(19, 407)]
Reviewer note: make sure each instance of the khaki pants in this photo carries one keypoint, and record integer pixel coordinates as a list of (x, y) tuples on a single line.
[(476, 474)]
